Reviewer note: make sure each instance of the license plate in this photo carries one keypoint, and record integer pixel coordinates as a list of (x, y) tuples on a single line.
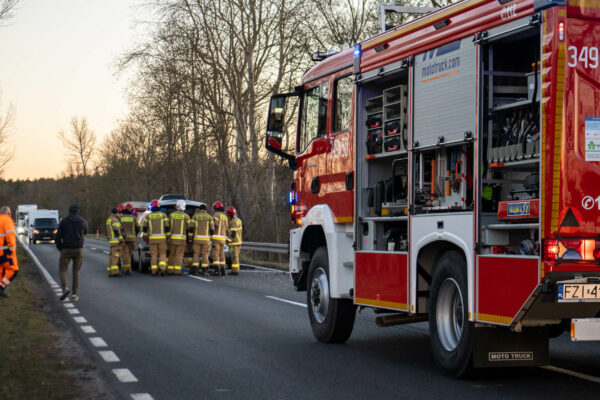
[(578, 292)]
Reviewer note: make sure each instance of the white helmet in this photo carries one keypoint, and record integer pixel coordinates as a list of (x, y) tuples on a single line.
[(181, 205)]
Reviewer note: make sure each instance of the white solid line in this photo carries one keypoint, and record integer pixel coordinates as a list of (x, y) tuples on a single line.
[(73, 311), (80, 320), (287, 301), (199, 278), (69, 305), (37, 262), (93, 248), (88, 329), (98, 342), (267, 268), (124, 375), (572, 373), (141, 396), (109, 356)]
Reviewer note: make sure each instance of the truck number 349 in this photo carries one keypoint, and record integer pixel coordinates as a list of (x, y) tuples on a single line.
[(588, 56)]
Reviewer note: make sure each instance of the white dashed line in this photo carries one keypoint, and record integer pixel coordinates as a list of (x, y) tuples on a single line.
[(88, 329), (124, 375), (572, 373), (73, 311), (109, 356), (69, 305), (199, 278), (107, 252), (141, 396), (287, 301), (80, 320), (98, 342), (93, 248), (264, 268)]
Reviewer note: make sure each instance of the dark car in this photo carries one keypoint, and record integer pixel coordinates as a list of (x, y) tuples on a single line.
[(44, 229)]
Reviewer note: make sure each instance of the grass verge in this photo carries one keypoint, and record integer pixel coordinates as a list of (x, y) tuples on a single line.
[(30, 363)]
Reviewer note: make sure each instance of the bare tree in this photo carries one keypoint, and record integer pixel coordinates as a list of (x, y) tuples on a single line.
[(80, 145), (6, 124), (7, 8)]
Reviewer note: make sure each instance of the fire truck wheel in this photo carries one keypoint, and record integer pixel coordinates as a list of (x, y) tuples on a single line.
[(331, 320), (449, 326)]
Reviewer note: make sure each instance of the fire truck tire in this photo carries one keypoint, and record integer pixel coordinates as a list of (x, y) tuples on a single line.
[(331, 319), (449, 326)]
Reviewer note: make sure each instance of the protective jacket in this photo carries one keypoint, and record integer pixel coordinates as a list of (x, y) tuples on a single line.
[(221, 224), (156, 225), (113, 230), (8, 243), (203, 225), (130, 227), (234, 233), (179, 222)]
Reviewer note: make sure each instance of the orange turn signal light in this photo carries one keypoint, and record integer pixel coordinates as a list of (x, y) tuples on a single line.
[(299, 221)]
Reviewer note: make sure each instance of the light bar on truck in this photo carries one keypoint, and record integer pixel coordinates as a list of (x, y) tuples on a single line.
[(571, 250)]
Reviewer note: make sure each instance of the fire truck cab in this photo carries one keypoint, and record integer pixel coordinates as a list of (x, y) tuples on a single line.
[(447, 170)]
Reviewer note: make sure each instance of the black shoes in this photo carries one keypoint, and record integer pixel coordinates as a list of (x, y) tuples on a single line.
[(64, 294), (3, 293)]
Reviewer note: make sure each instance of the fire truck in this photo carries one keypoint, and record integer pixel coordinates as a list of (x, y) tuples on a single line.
[(447, 170)]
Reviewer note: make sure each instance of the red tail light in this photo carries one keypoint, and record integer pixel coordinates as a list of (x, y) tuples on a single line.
[(571, 250)]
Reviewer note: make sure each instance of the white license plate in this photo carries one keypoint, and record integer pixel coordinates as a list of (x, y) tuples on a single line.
[(578, 292)]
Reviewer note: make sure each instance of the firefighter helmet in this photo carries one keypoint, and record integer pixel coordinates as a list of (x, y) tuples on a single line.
[(121, 208), (216, 205), (181, 205), (154, 203), (230, 211), (129, 207)]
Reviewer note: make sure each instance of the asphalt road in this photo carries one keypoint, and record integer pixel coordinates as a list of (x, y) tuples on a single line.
[(233, 338)]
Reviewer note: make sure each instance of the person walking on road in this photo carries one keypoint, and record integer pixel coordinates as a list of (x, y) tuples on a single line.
[(155, 228), (70, 236), (203, 226), (9, 266), (178, 222), (130, 227), (218, 238), (115, 242), (234, 238)]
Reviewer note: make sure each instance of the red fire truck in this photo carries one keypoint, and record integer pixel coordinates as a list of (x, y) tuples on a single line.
[(449, 170)]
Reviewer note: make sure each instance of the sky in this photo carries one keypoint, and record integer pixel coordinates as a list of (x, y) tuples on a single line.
[(57, 61)]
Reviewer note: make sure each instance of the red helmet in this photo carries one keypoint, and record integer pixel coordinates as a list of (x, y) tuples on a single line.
[(121, 208), (230, 211), (129, 207), (154, 203), (217, 204)]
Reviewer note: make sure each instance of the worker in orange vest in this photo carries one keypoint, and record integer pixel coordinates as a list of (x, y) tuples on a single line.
[(8, 250)]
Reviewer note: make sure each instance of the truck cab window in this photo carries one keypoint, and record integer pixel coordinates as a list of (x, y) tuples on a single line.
[(342, 93), (314, 115)]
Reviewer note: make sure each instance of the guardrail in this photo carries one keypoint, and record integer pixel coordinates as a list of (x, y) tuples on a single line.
[(279, 248)]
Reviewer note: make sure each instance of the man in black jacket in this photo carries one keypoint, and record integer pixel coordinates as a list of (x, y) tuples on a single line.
[(69, 240)]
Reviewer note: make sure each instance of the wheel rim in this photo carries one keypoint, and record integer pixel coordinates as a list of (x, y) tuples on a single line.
[(319, 295), (450, 314)]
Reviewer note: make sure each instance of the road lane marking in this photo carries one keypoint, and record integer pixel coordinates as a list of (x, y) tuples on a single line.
[(109, 356), (68, 305), (265, 268), (141, 396), (80, 320), (124, 375), (88, 329), (73, 311), (199, 278), (287, 301), (37, 262), (107, 252), (572, 373), (98, 342), (93, 248)]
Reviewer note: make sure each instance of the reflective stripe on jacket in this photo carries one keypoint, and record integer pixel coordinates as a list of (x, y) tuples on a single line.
[(130, 227), (221, 225), (157, 223), (179, 221), (203, 223), (113, 230), (235, 225)]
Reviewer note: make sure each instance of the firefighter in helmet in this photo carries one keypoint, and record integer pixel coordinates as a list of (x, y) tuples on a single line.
[(155, 228), (179, 222), (234, 238), (203, 226), (219, 236), (130, 227), (115, 241)]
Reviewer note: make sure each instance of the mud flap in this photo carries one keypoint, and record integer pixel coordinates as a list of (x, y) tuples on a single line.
[(500, 347)]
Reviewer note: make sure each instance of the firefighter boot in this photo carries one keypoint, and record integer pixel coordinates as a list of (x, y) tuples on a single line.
[(194, 270), (222, 270)]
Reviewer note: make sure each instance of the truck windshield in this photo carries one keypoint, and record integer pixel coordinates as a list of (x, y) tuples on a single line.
[(45, 222)]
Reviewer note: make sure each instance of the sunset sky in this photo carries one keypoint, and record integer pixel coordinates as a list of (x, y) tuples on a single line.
[(57, 61)]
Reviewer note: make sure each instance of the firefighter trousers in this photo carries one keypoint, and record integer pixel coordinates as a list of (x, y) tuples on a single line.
[(113, 259), (158, 257), (201, 249), (218, 253), (176, 250), (126, 252), (235, 250)]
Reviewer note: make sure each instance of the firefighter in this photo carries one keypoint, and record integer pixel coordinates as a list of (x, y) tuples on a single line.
[(115, 241), (234, 238), (9, 267), (219, 236), (130, 227), (203, 226), (155, 228), (179, 222)]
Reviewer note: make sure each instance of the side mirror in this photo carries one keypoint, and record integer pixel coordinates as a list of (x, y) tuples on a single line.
[(279, 136)]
